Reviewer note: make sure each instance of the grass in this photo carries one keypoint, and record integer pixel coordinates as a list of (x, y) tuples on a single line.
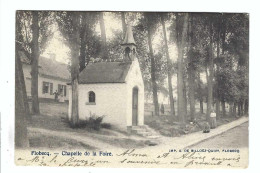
[(54, 117), (39, 141), (168, 125), (109, 136)]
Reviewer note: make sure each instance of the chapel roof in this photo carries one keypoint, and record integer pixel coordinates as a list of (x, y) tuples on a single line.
[(104, 72)]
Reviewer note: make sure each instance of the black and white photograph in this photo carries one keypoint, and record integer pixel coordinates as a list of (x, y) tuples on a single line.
[(98, 86), (131, 82)]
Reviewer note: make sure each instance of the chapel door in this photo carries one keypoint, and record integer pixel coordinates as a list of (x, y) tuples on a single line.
[(135, 107)]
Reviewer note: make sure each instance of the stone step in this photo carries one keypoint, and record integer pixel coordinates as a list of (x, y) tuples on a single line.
[(138, 131), (138, 127), (144, 131), (153, 137), (144, 134)]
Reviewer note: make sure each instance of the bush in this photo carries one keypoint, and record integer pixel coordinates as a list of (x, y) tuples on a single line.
[(81, 124), (106, 125), (94, 122)]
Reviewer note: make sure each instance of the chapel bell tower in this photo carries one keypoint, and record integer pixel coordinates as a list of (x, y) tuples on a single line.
[(129, 45)]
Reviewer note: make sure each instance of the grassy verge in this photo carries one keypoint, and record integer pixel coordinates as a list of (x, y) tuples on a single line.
[(168, 126)]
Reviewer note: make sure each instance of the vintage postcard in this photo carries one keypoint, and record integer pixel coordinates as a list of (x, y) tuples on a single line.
[(131, 89)]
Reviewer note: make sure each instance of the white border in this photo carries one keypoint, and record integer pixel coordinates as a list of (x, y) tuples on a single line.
[(7, 10)]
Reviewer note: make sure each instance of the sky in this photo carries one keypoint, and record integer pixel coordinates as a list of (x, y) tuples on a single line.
[(58, 48), (61, 51)]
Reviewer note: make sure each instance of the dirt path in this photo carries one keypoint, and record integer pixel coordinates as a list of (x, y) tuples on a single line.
[(72, 135), (234, 138), (96, 141), (197, 137)]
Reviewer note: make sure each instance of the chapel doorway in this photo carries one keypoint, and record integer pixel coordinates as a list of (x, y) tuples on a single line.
[(135, 107)]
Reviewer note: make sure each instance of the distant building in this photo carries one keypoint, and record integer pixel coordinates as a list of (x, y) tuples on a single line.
[(53, 76), (113, 88)]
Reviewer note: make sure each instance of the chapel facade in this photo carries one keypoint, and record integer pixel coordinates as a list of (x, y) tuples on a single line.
[(113, 89)]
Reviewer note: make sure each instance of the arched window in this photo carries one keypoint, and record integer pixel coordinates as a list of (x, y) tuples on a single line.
[(91, 97)]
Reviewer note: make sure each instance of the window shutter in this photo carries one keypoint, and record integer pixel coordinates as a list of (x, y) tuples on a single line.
[(43, 87), (59, 87), (65, 91), (51, 88)]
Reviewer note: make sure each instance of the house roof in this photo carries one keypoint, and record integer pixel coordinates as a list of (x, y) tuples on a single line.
[(104, 72), (49, 68), (24, 58), (54, 69)]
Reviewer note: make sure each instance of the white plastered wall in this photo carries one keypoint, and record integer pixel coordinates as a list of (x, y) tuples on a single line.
[(110, 100), (134, 79)]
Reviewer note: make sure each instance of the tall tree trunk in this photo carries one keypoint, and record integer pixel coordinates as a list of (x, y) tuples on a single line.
[(235, 109), (217, 71), (201, 106), (230, 109), (21, 103), (210, 77), (154, 84), (23, 90), (181, 101), (123, 23), (191, 72), (242, 108), (103, 37), (239, 109), (83, 43), (207, 78), (192, 94), (200, 94), (34, 65), (223, 108), (75, 70), (246, 106), (18, 48), (21, 114), (185, 96), (168, 68)]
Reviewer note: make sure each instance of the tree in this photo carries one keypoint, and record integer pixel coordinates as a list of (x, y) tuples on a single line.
[(35, 62), (211, 67), (21, 113), (218, 26), (191, 69), (19, 48), (200, 94), (69, 25), (150, 19), (181, 36), (231, 75), (103, 36), (88, 42), (21, 109), (168, 66), (34, 33)]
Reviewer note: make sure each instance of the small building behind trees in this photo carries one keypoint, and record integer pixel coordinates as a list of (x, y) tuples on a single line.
[(53, 77)]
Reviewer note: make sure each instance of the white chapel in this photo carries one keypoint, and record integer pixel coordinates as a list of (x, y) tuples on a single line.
[(113, 88)]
